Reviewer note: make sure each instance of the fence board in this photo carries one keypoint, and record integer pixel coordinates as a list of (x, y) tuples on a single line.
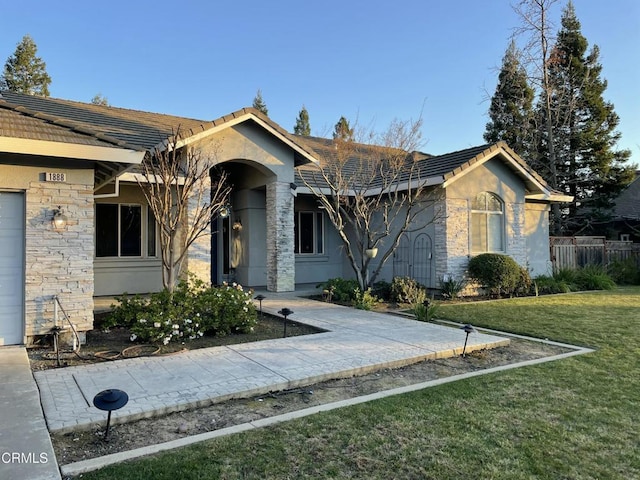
[(573, 252)]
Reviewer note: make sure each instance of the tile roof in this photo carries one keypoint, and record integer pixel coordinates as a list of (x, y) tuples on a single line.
[(125, 128), (438, 168)]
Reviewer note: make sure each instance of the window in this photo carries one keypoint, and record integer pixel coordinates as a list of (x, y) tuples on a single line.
[(487, 223), (309, 233), (119, 231)]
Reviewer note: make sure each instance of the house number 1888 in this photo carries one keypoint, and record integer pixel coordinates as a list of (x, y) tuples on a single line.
[(56, 177)]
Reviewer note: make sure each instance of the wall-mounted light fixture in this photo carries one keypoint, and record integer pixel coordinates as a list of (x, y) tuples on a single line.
[(224, 211), (59, 219), (293, 187)]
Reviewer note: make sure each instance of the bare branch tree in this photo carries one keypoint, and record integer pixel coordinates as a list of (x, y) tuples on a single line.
[(184, 191), (373, 193)]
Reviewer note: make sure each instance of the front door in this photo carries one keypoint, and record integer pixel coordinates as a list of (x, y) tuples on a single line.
[(11, 268)]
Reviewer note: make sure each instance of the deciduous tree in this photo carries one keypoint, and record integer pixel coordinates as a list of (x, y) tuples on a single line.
[(373, 192), (184, 190)]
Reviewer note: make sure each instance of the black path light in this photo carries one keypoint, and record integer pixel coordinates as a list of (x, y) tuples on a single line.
[(109, 400), (285, 312), (260, 297), (468, 328)]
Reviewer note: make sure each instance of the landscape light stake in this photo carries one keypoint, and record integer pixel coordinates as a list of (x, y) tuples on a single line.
[(260, 297), (468, 329), (285, 312), (110, 400)]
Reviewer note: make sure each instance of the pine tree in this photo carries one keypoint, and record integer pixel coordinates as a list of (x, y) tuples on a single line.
[(302, 126), (510, 112), (588, 165), (24, 72), (258, 103), (342, 130)]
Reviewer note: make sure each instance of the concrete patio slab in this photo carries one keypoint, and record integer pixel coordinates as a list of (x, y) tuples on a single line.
[(355, 342)]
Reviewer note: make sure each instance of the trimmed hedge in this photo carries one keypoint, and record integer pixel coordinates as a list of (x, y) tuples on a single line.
[(499, 273)]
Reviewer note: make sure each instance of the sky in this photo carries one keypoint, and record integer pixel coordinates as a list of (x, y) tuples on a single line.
[(371, 61)]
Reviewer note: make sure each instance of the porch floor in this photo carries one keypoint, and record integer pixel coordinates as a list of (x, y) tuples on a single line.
[(355, 342)]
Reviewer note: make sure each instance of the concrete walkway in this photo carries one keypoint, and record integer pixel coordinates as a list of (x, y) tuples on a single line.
[(356, 342), (26, 452)]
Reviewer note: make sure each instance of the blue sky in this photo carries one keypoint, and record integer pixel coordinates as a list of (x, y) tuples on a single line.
[(370, 61)]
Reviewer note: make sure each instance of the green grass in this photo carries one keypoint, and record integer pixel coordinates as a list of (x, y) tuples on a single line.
[(576, 418)]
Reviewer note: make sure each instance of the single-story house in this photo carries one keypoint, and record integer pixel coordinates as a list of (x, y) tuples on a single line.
[(74, 223)]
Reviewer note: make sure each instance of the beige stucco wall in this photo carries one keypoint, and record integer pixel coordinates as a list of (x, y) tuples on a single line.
[(454, 234), (57, 263), (537, 238), (114, 275), (264, 169)]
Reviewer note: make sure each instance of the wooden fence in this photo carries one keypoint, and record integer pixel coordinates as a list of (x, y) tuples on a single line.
[(574, 252)]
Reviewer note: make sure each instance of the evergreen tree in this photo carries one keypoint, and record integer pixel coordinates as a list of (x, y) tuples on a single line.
[(510, 112), (302, 126), (258, 103), (342, 130), (25, 72), (588, 166)]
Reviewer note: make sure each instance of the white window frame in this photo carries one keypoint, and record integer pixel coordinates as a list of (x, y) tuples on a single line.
[(487, 214)]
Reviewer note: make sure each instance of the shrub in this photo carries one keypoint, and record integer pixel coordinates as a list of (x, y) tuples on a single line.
[(593, 277), (364, 300), (525, 283), (499, 273), (125, 313), (342, 290), (191, 311), (625, 272), (407, 290), (425, 311), (546, 284), (382, 290), (450, 287)]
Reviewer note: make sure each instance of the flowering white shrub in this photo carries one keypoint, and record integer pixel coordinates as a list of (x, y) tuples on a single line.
[(192, 311)]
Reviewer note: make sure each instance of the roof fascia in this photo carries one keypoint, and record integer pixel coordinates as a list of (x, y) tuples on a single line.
[(235, 121), (70, 150), (488, 155)]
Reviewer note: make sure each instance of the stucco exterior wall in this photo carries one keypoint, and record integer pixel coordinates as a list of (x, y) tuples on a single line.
[(57, 263), (538, 255), (115, 275)]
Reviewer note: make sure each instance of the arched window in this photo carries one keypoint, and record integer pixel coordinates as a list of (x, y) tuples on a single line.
[(487, 223)]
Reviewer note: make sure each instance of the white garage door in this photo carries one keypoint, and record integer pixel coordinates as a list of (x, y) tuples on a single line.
[(11, 268)]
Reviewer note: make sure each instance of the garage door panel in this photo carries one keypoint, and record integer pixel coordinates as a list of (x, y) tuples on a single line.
[(11, 268)]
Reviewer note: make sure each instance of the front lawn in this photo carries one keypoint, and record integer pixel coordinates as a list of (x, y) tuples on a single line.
[(576, 418)]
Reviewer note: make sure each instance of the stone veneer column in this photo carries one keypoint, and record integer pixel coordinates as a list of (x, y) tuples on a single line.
[(199, 255), (280, 238), (452, 238), (59, 262)]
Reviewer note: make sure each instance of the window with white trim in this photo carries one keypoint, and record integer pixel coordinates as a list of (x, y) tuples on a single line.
[(125, 230), (487, 223), (309, 233)]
